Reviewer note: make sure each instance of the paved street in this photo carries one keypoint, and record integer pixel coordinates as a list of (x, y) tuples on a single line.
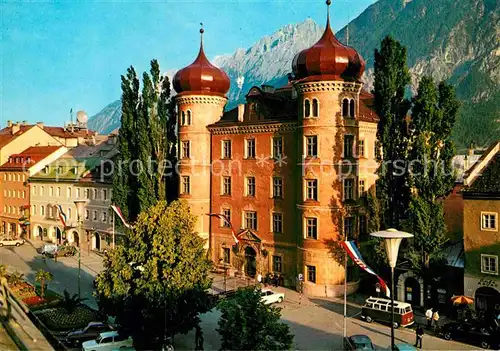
[(26, 260), (317, 323)]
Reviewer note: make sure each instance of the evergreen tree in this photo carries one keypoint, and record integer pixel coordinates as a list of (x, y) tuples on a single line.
[(391, 81), (431, 174), (146, 143), (247, 324), (156, 285)]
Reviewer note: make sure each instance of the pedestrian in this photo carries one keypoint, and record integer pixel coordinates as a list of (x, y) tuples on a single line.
[(428, 316), (259, 278), (435, 319), (419, 333)]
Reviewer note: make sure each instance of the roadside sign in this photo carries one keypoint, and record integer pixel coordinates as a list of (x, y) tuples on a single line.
[(301, 277)]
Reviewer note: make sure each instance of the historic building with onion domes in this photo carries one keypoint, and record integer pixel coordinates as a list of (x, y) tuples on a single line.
[(289, 168)]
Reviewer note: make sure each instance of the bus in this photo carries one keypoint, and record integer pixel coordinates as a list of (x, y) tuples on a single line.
[(378, 309)]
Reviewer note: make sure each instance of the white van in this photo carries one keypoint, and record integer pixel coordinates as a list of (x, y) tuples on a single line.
[(48, 249)]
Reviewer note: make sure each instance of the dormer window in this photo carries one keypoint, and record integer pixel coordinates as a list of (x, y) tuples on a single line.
[(75, 169), (307, 108), (59, 170), (46, 170), (315, 108)]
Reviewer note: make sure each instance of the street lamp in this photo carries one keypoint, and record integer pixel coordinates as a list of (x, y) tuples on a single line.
[(392, 238), (80, 206)]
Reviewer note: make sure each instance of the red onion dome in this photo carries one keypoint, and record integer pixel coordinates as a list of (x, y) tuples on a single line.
[(201, 76), (328, 57)]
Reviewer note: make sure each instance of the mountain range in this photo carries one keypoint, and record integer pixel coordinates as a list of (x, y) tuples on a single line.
[(457, 41)]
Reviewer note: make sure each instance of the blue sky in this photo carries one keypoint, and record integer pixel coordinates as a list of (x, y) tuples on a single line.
[(55, 56)]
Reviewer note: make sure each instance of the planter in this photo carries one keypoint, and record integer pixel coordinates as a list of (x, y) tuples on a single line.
[(58, 319)]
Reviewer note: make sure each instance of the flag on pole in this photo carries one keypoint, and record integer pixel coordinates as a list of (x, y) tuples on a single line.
[(223, 217), (118, 212), (352, 250), (62, 216)]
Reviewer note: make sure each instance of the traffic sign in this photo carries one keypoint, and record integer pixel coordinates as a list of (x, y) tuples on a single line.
[(301, 277)]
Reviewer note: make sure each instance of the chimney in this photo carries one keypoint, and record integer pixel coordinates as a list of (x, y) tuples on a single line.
[(39, 124), (9, 123), (241, 112), (15, 128), (25, 123)]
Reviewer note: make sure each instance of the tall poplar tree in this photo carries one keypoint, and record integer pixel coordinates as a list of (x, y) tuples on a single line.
[(391, 81), (146, 142), (431, 174)]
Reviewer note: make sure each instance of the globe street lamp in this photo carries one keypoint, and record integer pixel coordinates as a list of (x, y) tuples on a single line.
[(392, 238), (80, 206)]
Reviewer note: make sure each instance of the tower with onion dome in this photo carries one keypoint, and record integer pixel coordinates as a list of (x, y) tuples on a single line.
[(201, 89), (327, 81)]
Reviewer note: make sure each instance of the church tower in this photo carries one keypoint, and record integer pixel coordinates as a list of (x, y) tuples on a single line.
[(201, 89), (327, 81)]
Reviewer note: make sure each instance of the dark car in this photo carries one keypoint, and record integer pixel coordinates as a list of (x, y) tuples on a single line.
[(90, 332), (474, 334), (358, 342)]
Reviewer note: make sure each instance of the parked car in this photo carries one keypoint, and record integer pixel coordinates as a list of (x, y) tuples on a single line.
[(268, 297), (358, 342), (404, 347), (378, 309), (11, 242), (66, 250), (471, 334), (90, 332), (47, 249), (108, 341)]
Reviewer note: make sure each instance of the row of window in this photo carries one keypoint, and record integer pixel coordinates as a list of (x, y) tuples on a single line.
[(13, 177), (312, 110), (60, 170), (12, 194), (52, 212), (97, 194), (15, 210), (311, 188)]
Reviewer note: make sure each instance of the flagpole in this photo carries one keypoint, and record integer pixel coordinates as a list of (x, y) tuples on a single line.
[(113, 229), (345, 297)]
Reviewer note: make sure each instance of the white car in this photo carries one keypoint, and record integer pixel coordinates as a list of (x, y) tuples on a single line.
[(108, 341), (268, 297), (11, 242)]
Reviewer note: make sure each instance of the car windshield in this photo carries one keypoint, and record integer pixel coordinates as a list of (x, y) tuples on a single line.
[(98, 340), (362, 345)]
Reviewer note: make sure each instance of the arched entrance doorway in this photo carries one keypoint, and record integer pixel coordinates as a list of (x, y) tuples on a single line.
[(97, 241), (38, 232), (251, 261), (487, 300), (412, 291), (76, 238), (58, 235)]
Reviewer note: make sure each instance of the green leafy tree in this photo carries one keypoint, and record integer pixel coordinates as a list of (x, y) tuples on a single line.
[(15, 279), (247, 324), (431, 173), (392, 79), (156, 285), (146, 143), (43, 277), (3, 270)]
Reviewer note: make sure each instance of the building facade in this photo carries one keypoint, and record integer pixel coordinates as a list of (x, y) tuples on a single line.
[(14, 188), (481, 231), (289, 168)]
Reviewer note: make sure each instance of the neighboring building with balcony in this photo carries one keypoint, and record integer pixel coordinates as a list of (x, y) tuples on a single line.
[(80, 174), (287, 167), (481, 195), (14, 189)]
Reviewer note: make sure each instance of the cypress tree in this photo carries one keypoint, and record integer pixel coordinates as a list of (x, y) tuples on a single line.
[(391, 81)]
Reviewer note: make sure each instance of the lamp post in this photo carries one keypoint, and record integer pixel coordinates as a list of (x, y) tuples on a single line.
[(80, 206), (392, 239)]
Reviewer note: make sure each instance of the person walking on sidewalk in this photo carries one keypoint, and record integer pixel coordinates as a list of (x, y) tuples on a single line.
[(419, 333), (435, 319), (428, 317)]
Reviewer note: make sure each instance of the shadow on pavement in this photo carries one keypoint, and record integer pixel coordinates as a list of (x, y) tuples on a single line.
[(336, 307)]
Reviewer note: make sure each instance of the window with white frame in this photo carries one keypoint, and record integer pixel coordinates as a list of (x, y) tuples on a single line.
[(251, 220), (278, 187), (489, 264), (226, 185), (348, 189), (312, 189), (250, 186), (42, 190), (186, 152), (34, 189), (311, 228), (33, 210), (94, 215), (77, 193), (361, 188), (186, 185), (311, 146), (226, 149), (69, 213), (42, 211), (277, 147), (315, 108), (277, 222), (96, 194), (69, 192), (104, 194), (104, 216), (489, 221), (227, 214), (250, 148), (348, 145), (51, 191), (87, 214), (361, 148)]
